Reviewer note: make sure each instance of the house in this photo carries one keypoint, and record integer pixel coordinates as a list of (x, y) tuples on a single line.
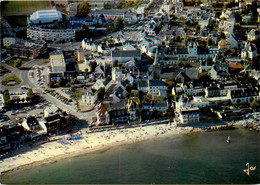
[(106, 83), (224, 45), (249, 51), (227, 85), (125, 54), (186, 112), (56, 121), (212, 91), (89, 45), (192, 90), (142, 86), (179, 7), (232, 40), (37, 129), (243, 95), (253, 34), (12, 136), (155, 85), (226, 14), (89, 96), (109, 13), (55, 76), (246, 18), (99, 72), (2, 101), (235, 67), (218, 74), (117, 74), (133, 108), (178, 89), (50, 110), (103, 118), (167, 6), (151, 107), (200, 102)]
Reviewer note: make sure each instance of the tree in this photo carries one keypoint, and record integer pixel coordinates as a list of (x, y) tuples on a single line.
[(83, 9), (51, 84), (177, 38), (86, 71), (101, 93), (221, 36), (118, 24), (141, 95), (85, 32), (254, 105), (254, 10), (198, 27), (209, 42), (62, 82), (6, 95), (31, 96), (93, 65), (170, 82), (204, 78), (106, 5), (18, 63), (22, 34), (158, 28)]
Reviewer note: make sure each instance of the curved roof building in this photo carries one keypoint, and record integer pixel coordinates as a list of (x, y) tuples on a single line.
[(45, 16)]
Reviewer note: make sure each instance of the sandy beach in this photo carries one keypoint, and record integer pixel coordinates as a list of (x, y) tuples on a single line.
[(87, 142)]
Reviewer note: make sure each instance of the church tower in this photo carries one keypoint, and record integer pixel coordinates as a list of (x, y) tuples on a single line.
[(156, 67)]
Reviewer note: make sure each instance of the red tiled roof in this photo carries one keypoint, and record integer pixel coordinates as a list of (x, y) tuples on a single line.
[(235, 66)]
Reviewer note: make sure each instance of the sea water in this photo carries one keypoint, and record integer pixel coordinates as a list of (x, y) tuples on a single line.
[(200, 158)]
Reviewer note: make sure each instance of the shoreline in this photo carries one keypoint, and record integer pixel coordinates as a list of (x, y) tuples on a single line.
[(61, 149), (87, 144)]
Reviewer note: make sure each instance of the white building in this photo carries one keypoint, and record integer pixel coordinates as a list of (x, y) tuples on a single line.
[(46, 16), (167, 6), (2, 101), (186, 112), (249, 51), (154, 86), (50, 110), (7, 41), (36, 33), (89, 96), (232, 40), (57, 62)]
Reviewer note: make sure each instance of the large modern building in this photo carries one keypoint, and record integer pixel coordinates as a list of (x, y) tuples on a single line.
[(36, 33), (46, 16), (57, 62), (20, 50)]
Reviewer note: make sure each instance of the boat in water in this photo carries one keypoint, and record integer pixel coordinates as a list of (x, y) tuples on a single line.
[(228, 139)]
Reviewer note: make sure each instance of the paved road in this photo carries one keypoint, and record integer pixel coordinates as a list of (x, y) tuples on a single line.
[(23, 73)]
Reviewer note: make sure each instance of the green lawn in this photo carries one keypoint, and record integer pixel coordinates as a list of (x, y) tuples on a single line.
[(11, 80), (12, 61), (10, 8)]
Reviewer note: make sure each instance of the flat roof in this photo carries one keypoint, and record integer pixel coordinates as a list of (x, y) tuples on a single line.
[(57, 59), (46, 14)]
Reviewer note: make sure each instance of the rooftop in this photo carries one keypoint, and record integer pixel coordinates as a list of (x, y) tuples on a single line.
[(57, 59)]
